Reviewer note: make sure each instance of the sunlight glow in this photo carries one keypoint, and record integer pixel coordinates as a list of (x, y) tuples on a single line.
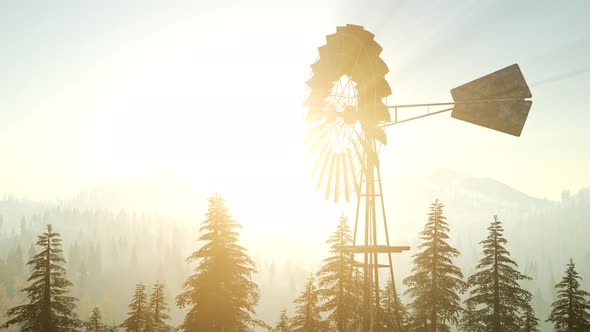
[(180, 109)]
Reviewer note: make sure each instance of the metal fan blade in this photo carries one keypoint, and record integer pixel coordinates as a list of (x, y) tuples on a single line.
[(345, 175), (380, 67), (378, 133), (313, 115), (373, 49), (319, 159), (313, 132), (326, 53), (324, 166), (336, 185), (359, 31), (316, 141), (374, 87), (330, 174), (381, 112)]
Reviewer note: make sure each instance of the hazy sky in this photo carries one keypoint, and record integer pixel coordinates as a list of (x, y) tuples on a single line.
[(213, 90)]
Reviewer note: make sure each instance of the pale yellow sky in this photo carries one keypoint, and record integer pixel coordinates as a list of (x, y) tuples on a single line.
[(214, 93)]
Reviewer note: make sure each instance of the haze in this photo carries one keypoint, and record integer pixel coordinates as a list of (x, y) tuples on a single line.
[(94, 92)]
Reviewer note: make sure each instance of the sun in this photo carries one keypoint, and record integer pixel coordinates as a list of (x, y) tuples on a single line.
[(220, 115)]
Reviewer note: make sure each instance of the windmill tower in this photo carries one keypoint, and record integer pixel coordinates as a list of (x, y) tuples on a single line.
[(346, 118)]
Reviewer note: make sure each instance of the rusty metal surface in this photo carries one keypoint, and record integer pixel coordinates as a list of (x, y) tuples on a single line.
[(504, 116), (502, 84), (475, 101)]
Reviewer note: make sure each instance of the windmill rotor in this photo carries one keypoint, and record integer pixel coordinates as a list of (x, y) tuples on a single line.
[(345, 109)]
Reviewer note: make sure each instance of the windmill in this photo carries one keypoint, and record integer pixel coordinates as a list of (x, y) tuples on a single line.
[(346, 120)]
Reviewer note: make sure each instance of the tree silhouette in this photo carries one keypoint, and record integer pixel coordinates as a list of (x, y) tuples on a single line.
[(94, 323), (495, 288), (138, 311), (220, 294), (49, 309), (307, 311), (158, 310), (469, 321), (530, 323), (436, 281), (395, 314), (283, 323), (571, 310), (335, 280), (111, 328)]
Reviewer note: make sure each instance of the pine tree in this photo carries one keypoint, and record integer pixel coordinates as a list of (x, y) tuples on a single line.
[(495, 288), (469, 322), (436, 281), (307, 317), (335, 280), (158, 310), (283, 323), (111, 328), (395, 314), (571, 311), (138, 310), (530, 323), (94, 323), (220, 294), (49, 309)]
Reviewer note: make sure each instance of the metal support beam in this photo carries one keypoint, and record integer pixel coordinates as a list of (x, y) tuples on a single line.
[(466, 102), (371, 249)]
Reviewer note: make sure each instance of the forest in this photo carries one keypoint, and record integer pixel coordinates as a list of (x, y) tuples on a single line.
[(129, 272)]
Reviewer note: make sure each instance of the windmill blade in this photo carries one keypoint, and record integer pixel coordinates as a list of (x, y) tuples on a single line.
[(319, 159), (316, 101), (313, 132), (337, 178), (314, 114), (330, 175), (316, 140), (381, 112), (324, 166), (322, 66), (378, 133), (345, 175), (373, 86), (358, 31)]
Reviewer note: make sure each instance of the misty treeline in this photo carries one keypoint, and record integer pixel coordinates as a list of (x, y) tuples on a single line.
[(220, 294)]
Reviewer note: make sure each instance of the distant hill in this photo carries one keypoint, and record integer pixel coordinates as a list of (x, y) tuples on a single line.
[(165, 194), (138, 213)]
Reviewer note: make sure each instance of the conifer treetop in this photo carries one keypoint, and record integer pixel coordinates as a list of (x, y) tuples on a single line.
[(307, 313), (48, 306), (220, 293), (495, 287), (436, 282), (571, 309)]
